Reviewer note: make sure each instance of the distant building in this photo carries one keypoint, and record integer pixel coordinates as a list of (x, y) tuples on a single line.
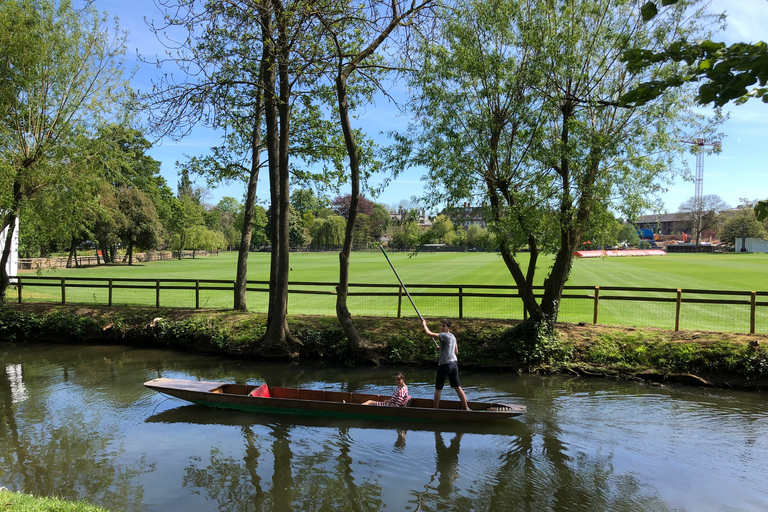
[(670, 224), (465, 215), (13, 261), (402, 215)]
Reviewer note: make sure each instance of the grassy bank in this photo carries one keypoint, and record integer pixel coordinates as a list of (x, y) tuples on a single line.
[(716, 359), (735, 272), (17, 502)]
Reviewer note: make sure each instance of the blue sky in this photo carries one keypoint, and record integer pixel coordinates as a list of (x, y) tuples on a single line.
[(739, 171)]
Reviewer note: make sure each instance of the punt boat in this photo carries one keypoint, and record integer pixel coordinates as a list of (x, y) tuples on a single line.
[(336, 404)]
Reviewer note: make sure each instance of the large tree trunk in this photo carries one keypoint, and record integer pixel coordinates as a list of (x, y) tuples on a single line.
[(241, 278), (359, 346), (71, 255), (278, 341)]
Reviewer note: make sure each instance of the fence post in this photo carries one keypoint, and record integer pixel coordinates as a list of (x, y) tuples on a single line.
[(399, 300), (18, 284), (677, 309), (197, 294), (63, 291), (752, 307), (110, 293), (597, 301), (157, 293), (461, 302)]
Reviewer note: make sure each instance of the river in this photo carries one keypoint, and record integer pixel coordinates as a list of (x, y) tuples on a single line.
[(76, 422)]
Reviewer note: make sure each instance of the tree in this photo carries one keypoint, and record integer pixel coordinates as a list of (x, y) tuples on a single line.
[(441, 231), (341, 204), (476, 235), (517, 110), (628, 235), (328, 232), (740, 223), (110, 221), (703, 213), (406, 235), (727, 72), (254, 69), (186, 215), (62, 75), (356, 33), (141, 228), (304, 200)]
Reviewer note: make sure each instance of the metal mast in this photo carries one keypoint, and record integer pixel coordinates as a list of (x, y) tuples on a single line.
[(698, 197), (699, 179)]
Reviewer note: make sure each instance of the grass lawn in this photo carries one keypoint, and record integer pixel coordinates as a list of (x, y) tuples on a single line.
[(733, 272)]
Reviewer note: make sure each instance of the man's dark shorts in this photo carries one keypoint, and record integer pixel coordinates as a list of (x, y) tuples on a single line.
[(451, 371)]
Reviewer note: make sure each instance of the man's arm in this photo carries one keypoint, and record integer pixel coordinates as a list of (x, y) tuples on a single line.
[(426, 330)]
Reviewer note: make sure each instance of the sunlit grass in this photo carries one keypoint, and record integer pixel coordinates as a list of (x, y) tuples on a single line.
[(16, 502), (733, 272)]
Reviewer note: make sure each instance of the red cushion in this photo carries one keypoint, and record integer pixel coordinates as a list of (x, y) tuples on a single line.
[(262, 391)]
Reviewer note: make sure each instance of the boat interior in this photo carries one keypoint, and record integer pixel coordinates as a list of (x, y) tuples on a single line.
[(344, 397)]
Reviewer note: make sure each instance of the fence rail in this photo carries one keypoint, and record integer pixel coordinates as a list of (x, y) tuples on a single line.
[(667, 308), (89, 261)]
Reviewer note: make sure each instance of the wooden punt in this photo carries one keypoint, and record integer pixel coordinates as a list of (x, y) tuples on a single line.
[(336, 404)]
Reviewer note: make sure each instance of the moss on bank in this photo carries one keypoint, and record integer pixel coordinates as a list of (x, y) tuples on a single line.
[(716, 359)]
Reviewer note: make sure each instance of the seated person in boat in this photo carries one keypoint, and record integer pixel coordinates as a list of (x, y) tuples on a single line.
[(399, 397)]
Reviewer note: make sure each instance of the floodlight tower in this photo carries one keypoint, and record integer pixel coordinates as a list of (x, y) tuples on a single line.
[(699, 179), (698, 198)]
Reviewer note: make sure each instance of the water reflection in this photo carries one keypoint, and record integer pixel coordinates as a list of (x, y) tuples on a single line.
[(60, 448), (87, 428), (447, 462)]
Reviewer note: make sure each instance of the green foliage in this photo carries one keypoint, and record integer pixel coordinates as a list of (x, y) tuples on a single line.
[(728, 70), (58, 326), (324, 341), (518, 111), (528, 344), (638, 352), (524, 347), (740, 223), (628, 234), (61, 77), (194, 333), (18, 502)]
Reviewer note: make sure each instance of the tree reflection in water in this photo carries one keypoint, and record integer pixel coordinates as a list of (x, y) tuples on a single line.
[(87, 429), (51, 444)]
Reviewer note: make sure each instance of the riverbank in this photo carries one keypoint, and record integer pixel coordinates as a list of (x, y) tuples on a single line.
[(18, 502), (653, 356)]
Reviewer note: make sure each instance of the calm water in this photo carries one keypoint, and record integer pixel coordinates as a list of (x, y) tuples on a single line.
[(76, 422)]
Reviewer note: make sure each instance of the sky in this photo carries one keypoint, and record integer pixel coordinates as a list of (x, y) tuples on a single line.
[(739, 171)]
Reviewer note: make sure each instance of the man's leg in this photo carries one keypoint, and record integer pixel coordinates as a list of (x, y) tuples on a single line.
[(436, 402), (462, 397)]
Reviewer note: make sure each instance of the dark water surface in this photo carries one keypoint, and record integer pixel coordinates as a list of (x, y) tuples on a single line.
[(76, 422)]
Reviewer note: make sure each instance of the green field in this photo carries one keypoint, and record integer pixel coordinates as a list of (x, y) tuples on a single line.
[(732, 272)]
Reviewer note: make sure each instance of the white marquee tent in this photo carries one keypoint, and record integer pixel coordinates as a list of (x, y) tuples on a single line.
[(13, 261)]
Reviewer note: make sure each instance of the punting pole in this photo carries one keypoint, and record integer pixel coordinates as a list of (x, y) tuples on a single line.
[(404, 288)]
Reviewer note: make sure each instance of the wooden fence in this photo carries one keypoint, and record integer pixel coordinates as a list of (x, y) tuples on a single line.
[(738, 311), (89, 261)]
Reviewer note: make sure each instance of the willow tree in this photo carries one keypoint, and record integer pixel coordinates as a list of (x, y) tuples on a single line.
[(357, 32), (517, 110), (62, 75)]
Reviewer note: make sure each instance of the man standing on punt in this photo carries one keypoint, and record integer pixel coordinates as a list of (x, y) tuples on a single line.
[(448, 364)]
